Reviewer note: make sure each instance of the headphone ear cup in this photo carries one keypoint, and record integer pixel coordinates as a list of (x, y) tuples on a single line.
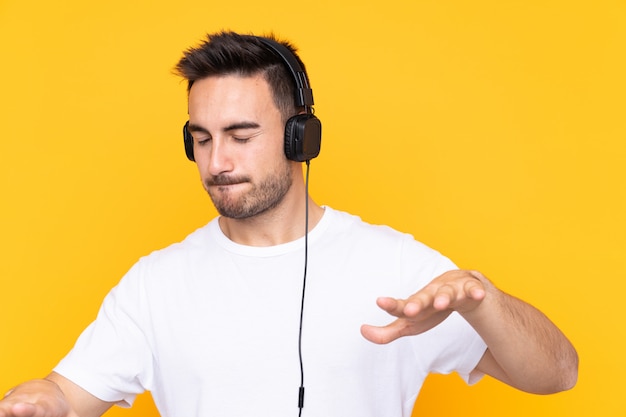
[(188, 141), (303, 137)]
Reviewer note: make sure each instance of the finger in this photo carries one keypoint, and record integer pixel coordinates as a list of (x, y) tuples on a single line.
[(464, 285), (382, 334), (444, 297), (23, 410), (410, 308), (438, 295), (474, 289), (392, 306)]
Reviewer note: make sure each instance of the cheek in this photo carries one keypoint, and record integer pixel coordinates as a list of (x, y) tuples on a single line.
[(202, 166), (265, 155)]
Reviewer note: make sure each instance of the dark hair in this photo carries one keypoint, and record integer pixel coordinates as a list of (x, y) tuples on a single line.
[(229, 53)]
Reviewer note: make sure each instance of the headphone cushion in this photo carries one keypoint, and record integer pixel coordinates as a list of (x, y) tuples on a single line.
[(303, 137), (188, 141)]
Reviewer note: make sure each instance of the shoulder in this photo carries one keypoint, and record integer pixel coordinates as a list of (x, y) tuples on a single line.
[(374, 244), (174, 259), (358, 232)]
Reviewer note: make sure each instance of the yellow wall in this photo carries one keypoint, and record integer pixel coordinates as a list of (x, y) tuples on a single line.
[(493, 131)]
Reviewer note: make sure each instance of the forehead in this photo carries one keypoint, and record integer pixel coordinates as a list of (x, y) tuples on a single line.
[(230, 95)]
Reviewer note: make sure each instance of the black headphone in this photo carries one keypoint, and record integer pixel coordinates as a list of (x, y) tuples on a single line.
[(303, 132)]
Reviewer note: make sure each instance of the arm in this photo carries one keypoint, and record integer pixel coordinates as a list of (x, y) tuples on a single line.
[(54, 396), (525, 349)]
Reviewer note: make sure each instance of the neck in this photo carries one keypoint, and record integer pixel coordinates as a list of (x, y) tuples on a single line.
[(284, 223)]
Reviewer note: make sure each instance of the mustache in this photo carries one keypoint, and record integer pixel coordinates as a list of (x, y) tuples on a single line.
[(225, 180)]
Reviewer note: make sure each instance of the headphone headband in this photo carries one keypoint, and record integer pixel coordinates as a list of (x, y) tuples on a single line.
[(304, 93)]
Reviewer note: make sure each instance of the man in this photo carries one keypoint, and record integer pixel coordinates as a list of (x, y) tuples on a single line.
[(218, 325)]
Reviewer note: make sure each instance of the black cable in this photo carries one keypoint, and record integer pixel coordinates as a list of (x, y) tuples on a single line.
[(306, 258)]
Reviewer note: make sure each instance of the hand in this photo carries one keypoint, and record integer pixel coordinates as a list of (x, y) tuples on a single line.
[(36, 398), (457, 290)]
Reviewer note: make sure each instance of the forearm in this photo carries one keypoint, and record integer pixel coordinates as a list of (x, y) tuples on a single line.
[(529, 352)]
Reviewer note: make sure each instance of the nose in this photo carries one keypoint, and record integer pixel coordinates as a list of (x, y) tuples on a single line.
[(220, 160), (213, 157)]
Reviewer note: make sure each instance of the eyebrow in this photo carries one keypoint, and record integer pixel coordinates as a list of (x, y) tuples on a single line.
[(235, 126)]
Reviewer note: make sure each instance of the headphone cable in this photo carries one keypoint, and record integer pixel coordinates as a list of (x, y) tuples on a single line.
[(306, 257)]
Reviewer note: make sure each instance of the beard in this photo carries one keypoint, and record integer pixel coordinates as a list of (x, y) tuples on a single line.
[(264, 195)]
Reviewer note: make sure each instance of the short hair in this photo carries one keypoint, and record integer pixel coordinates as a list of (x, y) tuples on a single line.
[(230, 53)]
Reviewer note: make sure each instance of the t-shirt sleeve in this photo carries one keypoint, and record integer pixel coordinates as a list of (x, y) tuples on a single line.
[(112, 359), (453, 345), (458, 348)]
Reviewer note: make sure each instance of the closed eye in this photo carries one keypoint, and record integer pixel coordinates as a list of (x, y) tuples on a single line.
[(203, 141), (240, 132), (241, 140)]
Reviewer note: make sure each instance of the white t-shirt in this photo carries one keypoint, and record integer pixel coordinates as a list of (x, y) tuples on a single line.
[(210, 327)]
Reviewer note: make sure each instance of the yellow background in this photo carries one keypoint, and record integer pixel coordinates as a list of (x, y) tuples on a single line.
[(493, 131)]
